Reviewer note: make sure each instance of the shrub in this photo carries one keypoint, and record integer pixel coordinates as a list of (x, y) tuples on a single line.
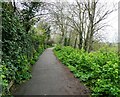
[(19, 49), (98, 70)]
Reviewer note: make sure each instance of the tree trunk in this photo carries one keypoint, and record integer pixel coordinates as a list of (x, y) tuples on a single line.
[(65, 41), (80, 40), (86, 41), (75, 43)]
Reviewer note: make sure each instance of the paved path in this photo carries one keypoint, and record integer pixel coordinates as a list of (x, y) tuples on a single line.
[(50, 77)]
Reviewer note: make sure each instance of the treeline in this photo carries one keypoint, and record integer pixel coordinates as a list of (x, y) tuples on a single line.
[(21, 42), (79, 24)]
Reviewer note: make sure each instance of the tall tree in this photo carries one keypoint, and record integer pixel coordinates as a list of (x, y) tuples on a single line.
[(29, 11)]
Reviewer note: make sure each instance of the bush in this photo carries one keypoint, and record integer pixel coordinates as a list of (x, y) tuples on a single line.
[(19, 48), (98, 70)]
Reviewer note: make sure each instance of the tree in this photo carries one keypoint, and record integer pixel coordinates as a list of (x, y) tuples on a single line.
[(83, 17), (96, 15), (29, 11), (21, 45), (57, 13)]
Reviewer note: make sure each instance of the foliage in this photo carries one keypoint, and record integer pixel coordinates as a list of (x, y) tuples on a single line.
[(98, 70), (29, 13), (43, 29), (20, 49)]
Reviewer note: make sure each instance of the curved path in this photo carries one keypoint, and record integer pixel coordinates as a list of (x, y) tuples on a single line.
[(50, 77)]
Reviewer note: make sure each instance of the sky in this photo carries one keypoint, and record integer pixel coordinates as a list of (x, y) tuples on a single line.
[(110, 33)]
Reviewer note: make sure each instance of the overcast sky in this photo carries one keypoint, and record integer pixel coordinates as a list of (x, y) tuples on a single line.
[(111, 32)]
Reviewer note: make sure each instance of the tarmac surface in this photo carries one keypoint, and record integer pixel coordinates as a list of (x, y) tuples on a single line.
[(51, 77)]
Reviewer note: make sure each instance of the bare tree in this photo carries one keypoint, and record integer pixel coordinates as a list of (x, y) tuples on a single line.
[(90, 15), (58, 15), (96, 15), (85, 18)]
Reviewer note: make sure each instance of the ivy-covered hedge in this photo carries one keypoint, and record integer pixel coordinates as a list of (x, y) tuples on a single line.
[(98, 70), (20, 49)]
